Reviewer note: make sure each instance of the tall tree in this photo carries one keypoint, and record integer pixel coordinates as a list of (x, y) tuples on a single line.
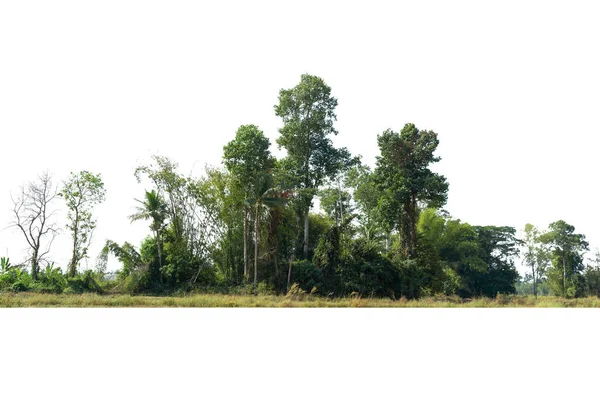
[(567, 247), (153, 208), (34, 218), (82, 191), (403, 174), (246, 158), (308, 113), (536, 255)]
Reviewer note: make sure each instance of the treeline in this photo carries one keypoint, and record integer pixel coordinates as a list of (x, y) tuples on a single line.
[(249, 225)]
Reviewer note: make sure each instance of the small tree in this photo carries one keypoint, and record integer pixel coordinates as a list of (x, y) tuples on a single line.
[(82, 191), (33, 217), (153, 208)]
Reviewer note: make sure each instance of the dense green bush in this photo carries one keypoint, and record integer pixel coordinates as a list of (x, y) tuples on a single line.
[(368, 273), (307, 276)]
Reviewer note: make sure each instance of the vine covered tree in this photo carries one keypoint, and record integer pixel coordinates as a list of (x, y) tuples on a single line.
[(407, 183), (82, 191), (308, 114)]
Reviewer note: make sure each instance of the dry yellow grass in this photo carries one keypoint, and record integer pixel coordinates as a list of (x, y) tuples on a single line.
[(216, 300)]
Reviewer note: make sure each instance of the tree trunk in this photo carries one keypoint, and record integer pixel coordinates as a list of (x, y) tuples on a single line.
[(34, 265), (290, 272), (256, 235), (245, 243), (413, 226), (73, 263), (564, 276), (159, 250), (306, 235), (534, 281)]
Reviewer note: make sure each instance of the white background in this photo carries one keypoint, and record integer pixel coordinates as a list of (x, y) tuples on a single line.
[(510, 87)]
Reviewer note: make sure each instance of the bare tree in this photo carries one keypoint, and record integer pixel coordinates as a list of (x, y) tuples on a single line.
[(34, 219)]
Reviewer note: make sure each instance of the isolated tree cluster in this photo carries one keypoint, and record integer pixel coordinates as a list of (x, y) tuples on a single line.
[(250, 225)]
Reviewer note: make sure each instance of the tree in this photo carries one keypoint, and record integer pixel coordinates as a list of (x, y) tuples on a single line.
[(266, 197), (592, 276), (499, 247), (367, 197), (192, 212), (403, 174), (336, 204), (308, 113), (82, 191), (536, 255), (153, 208), (33, 217), (246, 158), (567, 263)]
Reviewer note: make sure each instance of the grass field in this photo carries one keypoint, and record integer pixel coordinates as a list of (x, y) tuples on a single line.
[(215, 300)]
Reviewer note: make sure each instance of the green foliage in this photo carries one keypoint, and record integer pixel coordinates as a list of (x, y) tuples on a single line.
[(337, 204), (14, 278), (307, 276), (592, 276), (481, 257), (308, 113), (367, 198), (405, 180), (366, 272), (82, 191), (564, 276), (247, 157), (50, 280)]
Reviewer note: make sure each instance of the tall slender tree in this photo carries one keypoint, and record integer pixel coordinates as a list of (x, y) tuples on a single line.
[(247, 157), (567, 264), (536, 255), (308, 114), (82, 191)]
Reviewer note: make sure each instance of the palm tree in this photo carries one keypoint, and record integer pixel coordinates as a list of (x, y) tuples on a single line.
[(153, 208), (267, 197)]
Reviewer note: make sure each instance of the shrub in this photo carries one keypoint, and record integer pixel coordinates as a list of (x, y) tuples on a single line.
[(368, 273), (307, 276)]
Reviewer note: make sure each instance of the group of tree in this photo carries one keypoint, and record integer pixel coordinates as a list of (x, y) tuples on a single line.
[(555, 259), (250, 224)]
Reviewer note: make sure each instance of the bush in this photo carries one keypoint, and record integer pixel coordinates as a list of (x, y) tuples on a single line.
[(307, 276), (82, 283), (368, 273), (51, 280)]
